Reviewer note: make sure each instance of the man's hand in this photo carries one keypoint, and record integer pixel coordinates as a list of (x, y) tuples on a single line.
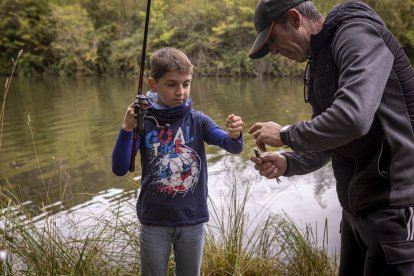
[(270, 164), (266, 134)]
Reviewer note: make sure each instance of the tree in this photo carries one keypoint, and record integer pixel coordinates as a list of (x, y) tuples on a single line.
[(25, 25), (74, 47)]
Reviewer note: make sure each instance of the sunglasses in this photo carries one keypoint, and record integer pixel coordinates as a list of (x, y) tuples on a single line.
[(307, 80)]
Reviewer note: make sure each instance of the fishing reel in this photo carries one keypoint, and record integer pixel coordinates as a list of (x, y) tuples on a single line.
[(141, 106)]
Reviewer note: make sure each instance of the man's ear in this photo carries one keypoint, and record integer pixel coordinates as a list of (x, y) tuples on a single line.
[(294, 18), (152, 84)]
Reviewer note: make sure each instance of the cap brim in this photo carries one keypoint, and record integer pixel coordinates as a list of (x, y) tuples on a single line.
[(260, 47)]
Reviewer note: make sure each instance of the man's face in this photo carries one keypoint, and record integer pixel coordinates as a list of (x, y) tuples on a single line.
[(289, 42)]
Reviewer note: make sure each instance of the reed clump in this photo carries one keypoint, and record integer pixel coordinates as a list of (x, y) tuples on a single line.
[(268, 244), (109, 244)]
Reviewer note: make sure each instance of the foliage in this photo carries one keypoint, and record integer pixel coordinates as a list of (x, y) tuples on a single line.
[(105, 37), (398, 15), (25, 24), (74, 48), (124, 59), (115, 21)]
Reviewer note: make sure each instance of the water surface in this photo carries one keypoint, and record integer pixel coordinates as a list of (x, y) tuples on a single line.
[(58, 135)]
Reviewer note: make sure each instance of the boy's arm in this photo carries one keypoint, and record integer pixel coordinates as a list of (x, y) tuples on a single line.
[(215, 135), (121, 154)]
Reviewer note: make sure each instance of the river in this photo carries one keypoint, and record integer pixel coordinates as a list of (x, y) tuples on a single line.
[(58, 134)]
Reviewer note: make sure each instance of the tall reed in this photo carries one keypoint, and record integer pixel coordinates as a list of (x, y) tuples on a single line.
[(43, 248), (6, 91), (264, 245)]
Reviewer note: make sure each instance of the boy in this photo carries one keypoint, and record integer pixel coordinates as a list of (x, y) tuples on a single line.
[(172, 204)]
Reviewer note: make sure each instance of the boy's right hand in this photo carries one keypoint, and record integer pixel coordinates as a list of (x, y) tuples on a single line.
[(129, 122)]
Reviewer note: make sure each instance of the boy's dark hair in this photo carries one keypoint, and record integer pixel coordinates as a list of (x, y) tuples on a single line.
[(169, 60)]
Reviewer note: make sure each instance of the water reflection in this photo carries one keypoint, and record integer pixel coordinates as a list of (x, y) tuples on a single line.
[(74, 124)]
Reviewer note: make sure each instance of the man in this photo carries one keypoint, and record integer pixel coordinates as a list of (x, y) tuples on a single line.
[(360, 85)]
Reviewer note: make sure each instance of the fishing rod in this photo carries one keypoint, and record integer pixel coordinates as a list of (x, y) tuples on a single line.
[(141, 103)]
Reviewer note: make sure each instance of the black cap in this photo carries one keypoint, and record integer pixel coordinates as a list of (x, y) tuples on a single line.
[(264, 15)]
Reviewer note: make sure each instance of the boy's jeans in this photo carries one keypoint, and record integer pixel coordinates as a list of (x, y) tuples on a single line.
[(156, 241)]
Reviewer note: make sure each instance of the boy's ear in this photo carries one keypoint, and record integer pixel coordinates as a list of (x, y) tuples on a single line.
[(152, 84)]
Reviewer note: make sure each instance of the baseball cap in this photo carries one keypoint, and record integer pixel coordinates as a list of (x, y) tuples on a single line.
[(264, 15)]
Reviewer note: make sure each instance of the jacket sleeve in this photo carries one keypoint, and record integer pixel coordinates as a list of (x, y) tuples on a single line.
[(364, 62), (298, 164), (121, 154)]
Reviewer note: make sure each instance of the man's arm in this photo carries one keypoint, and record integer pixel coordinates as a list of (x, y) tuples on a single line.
[(306, 162), (364, 62)]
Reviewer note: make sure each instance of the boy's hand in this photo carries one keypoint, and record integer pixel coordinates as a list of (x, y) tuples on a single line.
[(129, 122), (234, 125)]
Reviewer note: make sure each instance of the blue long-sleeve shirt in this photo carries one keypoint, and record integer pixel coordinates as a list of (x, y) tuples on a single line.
[(174, 166)]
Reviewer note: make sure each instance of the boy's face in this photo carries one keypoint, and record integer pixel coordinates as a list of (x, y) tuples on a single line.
[(173, 88)]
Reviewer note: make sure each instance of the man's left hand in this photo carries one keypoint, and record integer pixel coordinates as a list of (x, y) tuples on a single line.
[(267, 133)]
